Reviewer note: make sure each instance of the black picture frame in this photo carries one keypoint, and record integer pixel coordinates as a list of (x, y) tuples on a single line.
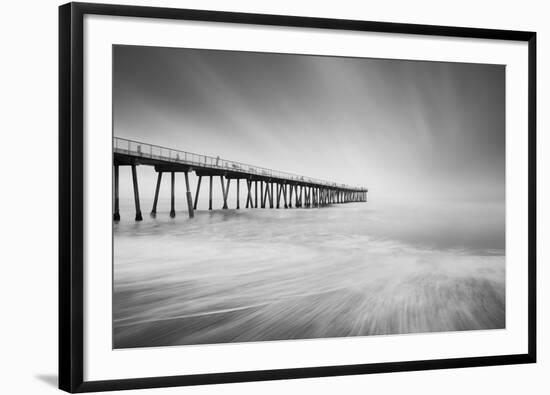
[(71, 182)]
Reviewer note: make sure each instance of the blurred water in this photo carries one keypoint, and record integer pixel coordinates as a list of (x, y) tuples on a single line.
[(346, 270)]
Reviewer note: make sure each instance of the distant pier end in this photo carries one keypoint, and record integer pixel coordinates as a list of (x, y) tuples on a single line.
[(276, 189)]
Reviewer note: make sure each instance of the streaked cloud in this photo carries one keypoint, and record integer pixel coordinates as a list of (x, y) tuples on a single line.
[(402, 128)]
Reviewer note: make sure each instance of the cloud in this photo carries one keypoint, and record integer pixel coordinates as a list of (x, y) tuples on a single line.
[(424, 129)]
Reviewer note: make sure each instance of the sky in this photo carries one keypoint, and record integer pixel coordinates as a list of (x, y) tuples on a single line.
[(403, 129)]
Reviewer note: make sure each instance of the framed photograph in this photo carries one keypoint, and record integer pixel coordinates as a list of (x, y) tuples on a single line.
[(250, 197)]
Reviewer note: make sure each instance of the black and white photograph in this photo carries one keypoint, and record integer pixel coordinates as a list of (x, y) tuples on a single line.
[(274, 197)]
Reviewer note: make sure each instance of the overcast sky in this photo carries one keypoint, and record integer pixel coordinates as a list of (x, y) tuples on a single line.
[(400, 128)]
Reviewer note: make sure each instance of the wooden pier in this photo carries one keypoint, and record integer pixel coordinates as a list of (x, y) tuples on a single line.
[(276, 189)]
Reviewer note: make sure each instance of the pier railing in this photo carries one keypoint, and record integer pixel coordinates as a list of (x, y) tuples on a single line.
[(152, 151)]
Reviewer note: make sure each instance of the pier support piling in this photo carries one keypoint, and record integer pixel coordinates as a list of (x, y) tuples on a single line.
[(172, 195), (256, 194), (262, 197), (156, 199), (249, 194), (316, 197), (238, 193), (136, 194), (210, 195), (197, 193), (225, 191), (189, 198), (116, 215), (290, 196), (266, 194)]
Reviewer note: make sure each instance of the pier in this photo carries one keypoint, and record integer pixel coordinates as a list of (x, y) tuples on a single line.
[(265, 188)]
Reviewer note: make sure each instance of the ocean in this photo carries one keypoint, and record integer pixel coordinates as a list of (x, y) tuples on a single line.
[(355, 269)]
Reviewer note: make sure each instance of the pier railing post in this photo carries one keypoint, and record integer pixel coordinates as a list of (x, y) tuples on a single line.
[(116, 215), (172, 195), (136, 193), (189, 198)]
